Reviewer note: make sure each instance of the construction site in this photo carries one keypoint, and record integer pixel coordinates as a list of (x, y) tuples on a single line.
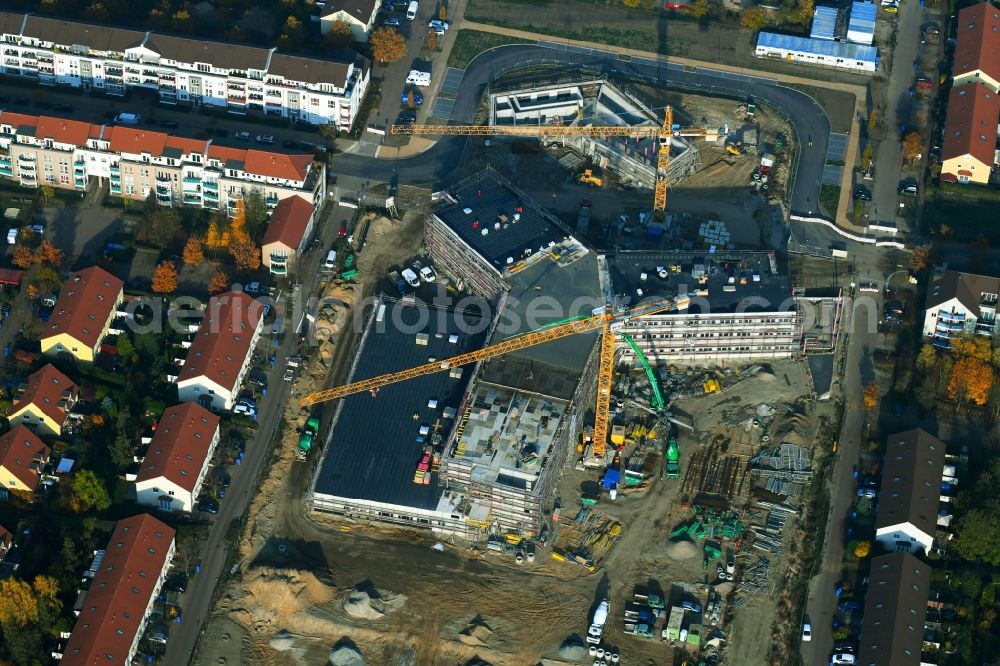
[(578, 454)]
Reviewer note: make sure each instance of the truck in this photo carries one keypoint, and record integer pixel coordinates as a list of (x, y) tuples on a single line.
[(398, 281), (596, 630), (673, 466), (653, 601), (672, 632), (309, 433), (593, 176)]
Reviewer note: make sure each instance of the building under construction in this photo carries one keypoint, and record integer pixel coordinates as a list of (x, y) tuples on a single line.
[(600, 103)]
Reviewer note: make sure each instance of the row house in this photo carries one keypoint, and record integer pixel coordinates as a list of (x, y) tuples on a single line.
[(139, 163), (233, 77)]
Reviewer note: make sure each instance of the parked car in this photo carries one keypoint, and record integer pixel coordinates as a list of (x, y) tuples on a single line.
[(288, 143), (169, 124), (427, 274), (842, 658), (908, 188), (253, 288), (437, 25), (63, 108), (176, 582), (418, 99), (38, 229), (869, 286), (411, 277), (208, 505), (278, 326), (242, 408), (406, 117), (258, 377), (264, 138), (692, 606), (12, 235), (863, 193), (807, 632), (392, 21), (289, 374), (923, 82), (242, 136)]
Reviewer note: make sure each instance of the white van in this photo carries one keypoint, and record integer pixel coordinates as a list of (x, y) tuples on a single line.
[(415, 78), (331, 260), (411, 11), (128, 119)]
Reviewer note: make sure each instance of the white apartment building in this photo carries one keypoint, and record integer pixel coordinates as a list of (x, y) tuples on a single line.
[(234, 77), (959, 304), (41, 150)]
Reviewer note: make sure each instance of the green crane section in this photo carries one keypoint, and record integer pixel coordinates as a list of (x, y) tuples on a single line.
[(657, 401)]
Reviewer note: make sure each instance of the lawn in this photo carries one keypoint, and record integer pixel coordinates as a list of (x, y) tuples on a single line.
[(470, 43), (829, 199), (968, 211)]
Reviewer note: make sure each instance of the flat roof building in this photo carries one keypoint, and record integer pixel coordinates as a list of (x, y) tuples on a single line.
[(861, 26), (824, 24), (840, 55), (377, 443), (892, 632), (910, 496)]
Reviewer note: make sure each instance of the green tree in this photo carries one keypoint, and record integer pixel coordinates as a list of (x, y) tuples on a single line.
[(699, 8), (88, 492), (255, 212), (47, 193), (120, 449), (293, 34), (126, 350), (978, 535), (754, 18), (926, 394)]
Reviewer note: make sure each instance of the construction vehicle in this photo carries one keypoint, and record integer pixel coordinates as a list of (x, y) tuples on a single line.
[(673, 467), (734, 148), (664, 135), (309, 433), (596, 630), (657, 401), (653, 601), (710, 386), (672, 631), (640, 621), (602, 319), (593, 176), (350, 269)]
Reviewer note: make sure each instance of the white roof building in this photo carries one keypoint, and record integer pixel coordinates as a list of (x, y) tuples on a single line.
[(824, 25), (861, 27)]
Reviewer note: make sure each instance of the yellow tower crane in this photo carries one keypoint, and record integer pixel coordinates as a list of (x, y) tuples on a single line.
[(664, 134), (604, 320)]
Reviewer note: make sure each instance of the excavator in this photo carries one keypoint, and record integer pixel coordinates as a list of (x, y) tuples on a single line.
[(602, 319)]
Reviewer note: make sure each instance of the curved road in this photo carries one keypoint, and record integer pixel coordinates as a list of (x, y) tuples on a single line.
[(436, 164)]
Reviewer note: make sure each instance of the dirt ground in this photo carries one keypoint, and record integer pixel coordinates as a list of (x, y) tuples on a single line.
[(299, 573)]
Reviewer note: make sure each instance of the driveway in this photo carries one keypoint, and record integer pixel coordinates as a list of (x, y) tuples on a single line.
[(199, 599), (889, 159)]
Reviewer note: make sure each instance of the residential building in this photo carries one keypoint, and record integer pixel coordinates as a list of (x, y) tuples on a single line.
[(958, 304), (968, 152), (44, 403), (22, 457), (232, 77), (288, 233), (42, 150), (220, 354), (358, 14), (892, 632), (177, 459), (83, 314), (910, 495), (121, 596), (977, 46), (841, 55)]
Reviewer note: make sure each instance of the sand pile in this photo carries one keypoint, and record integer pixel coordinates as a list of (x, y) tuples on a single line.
[(573, 649), (282, 641), (368, 603), (346, 655), (682, 550), (270, 594), (332, 313)]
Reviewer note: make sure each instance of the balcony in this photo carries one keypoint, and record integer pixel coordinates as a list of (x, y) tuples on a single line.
[(192, 198), (80, 181), (211, 185), (211, 196), (115, 170), (115, 72), (6, 170), (951, 316)]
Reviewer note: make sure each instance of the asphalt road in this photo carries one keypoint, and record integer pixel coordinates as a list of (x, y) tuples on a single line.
[(197, 602), (436, 166), (858, 371), (889, 160)]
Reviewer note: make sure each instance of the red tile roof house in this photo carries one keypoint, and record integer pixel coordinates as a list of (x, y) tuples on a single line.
[(219, 357), (45, 402), (287, 234), (22, 456), (120, 599), (177, 460), (977, 46), (83, 314)]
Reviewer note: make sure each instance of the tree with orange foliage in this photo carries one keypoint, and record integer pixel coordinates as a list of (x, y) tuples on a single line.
[(23, 256), (971, 380), (212, 235), (871, 396), (754, 18), (246, 253), (193, 253), (18, 606), (432, 40), (387, 45), (165, 278), (913, 144), (920, 258), (219, 283), (47, 253)]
